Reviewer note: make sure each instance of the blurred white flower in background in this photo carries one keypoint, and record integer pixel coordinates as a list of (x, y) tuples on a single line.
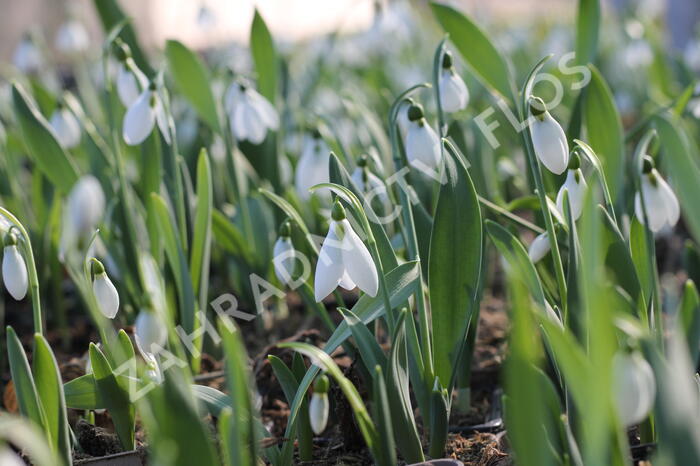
[(72, 37), (251, 115), (539, 248), (65, 127), (312, 168), (142, 116), (691, 55), (10, 458), (131, 81), (82, 213), (576, 186), (634, 387), (27, 57), (661, 204)]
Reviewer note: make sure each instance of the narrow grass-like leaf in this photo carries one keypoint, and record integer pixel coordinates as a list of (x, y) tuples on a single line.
[(25, 389), (689, 319), (201, 241), (370, 351), (587, 27), (82, 393), (382, 413)]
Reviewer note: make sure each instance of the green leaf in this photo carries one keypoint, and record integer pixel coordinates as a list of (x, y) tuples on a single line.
[(265, 57), (483, 58), (115, 397), (111, 16), (201, 242), (689, 318), (43, 147), (382, 413), (680, 160), (214, 400), (454, 264), (82, 393), (25, 389), (28, 437), (604, 129), (49, 387), (587, 26), (192, 80), (229, 237), (370, 351)]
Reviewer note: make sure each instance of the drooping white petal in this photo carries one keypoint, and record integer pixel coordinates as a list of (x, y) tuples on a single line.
[(149, 332), (14, 272), (232, 97), (106, 295), (655, 204), (66, 128), (268, 112), (358, 262), (130, 82), (72, 37), (634, 387), (422, 146), (550, 144), (247, 123), (312, 168), (86, 205), (283, 259), (347, 283), (162, 120), (539, 248), (577, 193), (318, 412), (402, 119), (454, 94), (329, 268), (673, 209), (139, 119)]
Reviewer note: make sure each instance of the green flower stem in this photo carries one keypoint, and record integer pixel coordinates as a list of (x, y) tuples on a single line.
[(31, 270)]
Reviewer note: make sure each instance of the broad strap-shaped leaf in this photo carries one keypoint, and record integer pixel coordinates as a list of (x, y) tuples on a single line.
[(482, 56), (82, 393), (587, 27), (454, 264), (262, 48), (192, 79), (41, 143)]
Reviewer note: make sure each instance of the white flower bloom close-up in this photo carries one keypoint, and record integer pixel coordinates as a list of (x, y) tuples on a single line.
[(251, 115), (27, 57), (72, 37), (661, 204), (344, 260), (142, 116), (105, 292), (14, 269), (422, 142), (313, 165), (454, 95), (548, 138), (576, 186), (539, 248), (634, 387), (150, 333), (65, 127), (319, 405)]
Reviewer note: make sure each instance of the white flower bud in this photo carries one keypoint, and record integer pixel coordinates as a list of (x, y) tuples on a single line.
[(65, 127), (634, 387), (548, 139), (130, 82), (660, 201), (105, 292), (283, 259), (72, 37), (14, 272), (9, 458), (313, 165), (149, 333), (576, 185), (454, 95), (251, 115), (318, 412), (539, 248), (422, 145)]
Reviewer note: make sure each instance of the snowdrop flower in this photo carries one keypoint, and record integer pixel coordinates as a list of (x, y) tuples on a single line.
[(130, 79), (634, 387), (283, 254), (344, 260), (206, 19), (72, 37), (319, 405), (661, 203), (539, 248), (27, 57), (422, 142), (150, 334), (9, 458), (65, 127), (14, 270), (312, 168), (251, 115), (402, 116), (83, 211), (369, 183), (454, 94), (142, 116), (576, 185), (104, 290), (548, 139)]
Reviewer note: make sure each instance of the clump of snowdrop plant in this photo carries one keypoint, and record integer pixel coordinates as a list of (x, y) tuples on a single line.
[(454, 95), (105, 292), (319, 405), (344, 259), (250, 114), (130, 81), (312, 168), (283, 254), (576, 186), (548, 138), (65, 127), (142, 116), (14, 269), (422, 142), (634, 387), (661, 204)]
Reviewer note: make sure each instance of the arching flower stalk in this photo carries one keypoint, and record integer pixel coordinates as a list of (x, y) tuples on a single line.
[(548, 138), (454, 95), (313, 165), (142, 115), (661, 204), (14, 269), (250, 114), (105, 292), (344, 260), (422, 142), (634, 387), (576, 185), (131, 81), (319, 405), (65, 127), (283, 254)]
